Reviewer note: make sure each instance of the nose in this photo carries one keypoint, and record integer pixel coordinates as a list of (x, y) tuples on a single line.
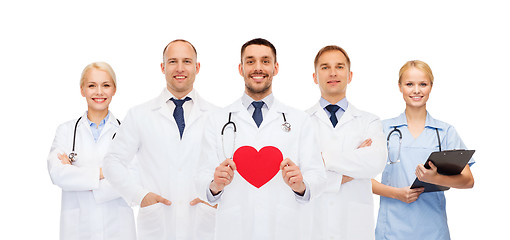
[(100, 90), (333, 72), (416, 89)]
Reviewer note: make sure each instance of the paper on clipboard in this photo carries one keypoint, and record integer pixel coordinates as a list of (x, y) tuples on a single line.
[(450, 162)]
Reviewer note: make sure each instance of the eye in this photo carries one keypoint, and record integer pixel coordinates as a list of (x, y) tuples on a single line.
[(409, 84), (106, 85), (187, 61), (324, 67), (340, 67), (249, 62), (91, 85), (423, 84)]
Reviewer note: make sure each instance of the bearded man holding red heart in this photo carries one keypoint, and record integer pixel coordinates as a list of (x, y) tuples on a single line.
[(246, 145)]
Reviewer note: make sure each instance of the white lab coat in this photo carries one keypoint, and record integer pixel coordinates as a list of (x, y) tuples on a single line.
[(271, 211), (345, 211), (166, 166), (91, 209)]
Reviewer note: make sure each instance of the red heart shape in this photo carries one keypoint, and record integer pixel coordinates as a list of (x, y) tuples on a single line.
[(258, 167)]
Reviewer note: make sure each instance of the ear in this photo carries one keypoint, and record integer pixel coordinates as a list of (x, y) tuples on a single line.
[(82, 91), (350, 77), (276, 68), (241, 69), (197, 68), (315, 80), (163, 68)]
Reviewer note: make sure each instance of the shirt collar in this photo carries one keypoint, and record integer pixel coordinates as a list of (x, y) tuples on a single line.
[(167, 95), (430, 122), (247, 100), (343, 104), (102, 123)]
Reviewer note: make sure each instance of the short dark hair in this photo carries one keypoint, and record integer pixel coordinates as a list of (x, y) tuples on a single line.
[(331, 48), (178, 40), (258, 41)]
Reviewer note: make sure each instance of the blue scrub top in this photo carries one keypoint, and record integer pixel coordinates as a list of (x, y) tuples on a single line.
[(426, 217)]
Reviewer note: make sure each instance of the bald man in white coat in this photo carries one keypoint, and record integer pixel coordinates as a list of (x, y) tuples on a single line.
[(164, 135), (353, 150)]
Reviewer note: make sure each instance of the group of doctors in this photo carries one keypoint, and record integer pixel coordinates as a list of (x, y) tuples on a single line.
[(182, 160)]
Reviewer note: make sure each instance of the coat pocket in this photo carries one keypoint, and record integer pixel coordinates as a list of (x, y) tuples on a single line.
[(205, 218), (229, 224), (151, 222)]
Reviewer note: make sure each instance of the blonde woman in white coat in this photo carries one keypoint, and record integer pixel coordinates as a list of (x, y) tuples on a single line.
[(91, 209), (353, 148)]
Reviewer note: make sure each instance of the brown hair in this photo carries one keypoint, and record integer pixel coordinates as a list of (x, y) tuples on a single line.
[(331, 48)]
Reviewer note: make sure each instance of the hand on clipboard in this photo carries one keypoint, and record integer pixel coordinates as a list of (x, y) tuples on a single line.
[(450, 162)]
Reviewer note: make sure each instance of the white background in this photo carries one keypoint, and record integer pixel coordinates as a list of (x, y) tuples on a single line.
[(44, 45)]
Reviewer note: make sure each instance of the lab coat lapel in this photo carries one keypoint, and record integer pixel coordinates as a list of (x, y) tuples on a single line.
[(347, 116), (112, 123), (238, 109), (272, 115), (321, 114), (196, 111)]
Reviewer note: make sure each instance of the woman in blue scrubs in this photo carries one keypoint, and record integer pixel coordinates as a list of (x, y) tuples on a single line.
[(406, 213)]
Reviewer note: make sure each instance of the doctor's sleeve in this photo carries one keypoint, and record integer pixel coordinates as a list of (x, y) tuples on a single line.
[(66, 176), (209, 160), (362, 163), (107, 192), (310, 161), (117, 164)]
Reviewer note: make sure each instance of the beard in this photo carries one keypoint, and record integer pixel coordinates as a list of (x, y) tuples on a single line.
[(260, 90)]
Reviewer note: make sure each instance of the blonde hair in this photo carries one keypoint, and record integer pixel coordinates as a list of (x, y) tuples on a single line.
[(420, 65), (103, 66)]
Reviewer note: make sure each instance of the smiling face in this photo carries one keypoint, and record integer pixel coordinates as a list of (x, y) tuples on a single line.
[(180, 68), (258, 66), (332, 74), (98, 89), (415, 87)]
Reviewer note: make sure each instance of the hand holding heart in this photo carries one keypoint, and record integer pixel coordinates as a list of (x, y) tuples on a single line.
[(223, 175), (292, 176)]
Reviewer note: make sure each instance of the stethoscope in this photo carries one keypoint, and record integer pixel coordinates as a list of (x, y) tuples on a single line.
[(396, 130), (286, 127), (73, 154)]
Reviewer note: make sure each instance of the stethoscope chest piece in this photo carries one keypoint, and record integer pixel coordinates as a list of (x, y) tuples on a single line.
[(286, 127), (72, 156)]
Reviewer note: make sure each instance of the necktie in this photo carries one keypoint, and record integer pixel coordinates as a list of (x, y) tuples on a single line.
[(179, 113), (257, 114), (333, 109)]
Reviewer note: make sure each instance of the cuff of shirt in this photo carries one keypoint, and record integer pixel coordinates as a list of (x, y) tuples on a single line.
[(213, 199), (306, 197)]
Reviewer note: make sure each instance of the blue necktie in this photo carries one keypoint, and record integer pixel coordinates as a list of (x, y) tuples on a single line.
[(179, 113), (333, 109), (257, 114)]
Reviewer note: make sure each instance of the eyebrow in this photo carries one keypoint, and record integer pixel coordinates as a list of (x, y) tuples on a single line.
[(178, 58)]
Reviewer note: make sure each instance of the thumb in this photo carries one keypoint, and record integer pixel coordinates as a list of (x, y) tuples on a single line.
[(194, 201), (432, 166), (163, 200)]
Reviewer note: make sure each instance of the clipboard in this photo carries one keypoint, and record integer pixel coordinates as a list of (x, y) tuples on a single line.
[(450, 162)]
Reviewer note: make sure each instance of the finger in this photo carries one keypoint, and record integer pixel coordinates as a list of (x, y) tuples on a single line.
[(163, 200), (195, 201), (284, 163), (432, 166), (231, 164)]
